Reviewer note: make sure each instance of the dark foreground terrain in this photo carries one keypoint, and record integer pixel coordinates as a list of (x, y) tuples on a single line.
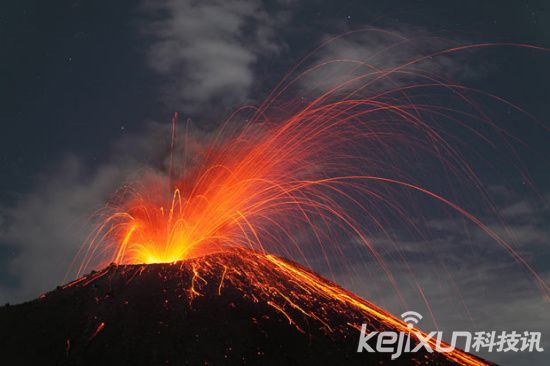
[(236, 307)]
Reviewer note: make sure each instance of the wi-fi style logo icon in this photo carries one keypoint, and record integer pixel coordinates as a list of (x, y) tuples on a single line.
[(411, 318)]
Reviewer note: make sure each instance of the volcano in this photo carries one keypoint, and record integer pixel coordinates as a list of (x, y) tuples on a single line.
[(232, 307)]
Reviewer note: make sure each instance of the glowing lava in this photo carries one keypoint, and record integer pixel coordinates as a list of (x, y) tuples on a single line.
[(233, 306), (318, 174)]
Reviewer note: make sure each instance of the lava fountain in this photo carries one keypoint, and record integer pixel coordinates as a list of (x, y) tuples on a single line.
[(299, 179), (329, 168)]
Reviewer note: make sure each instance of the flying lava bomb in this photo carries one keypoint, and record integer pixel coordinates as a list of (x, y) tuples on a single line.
[(191, 265)]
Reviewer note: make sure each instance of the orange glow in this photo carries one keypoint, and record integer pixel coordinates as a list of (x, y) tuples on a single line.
[(301, 178)]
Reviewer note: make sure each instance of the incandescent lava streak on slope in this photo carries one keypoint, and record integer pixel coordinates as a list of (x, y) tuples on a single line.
[(231, 307)]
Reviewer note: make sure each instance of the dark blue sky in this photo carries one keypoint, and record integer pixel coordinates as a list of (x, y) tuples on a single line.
[(75, 74)]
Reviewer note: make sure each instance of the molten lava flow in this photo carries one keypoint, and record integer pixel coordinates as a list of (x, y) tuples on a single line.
[(259, 292)]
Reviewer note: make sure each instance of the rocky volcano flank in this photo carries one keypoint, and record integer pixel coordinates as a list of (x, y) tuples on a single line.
[(232, 307)]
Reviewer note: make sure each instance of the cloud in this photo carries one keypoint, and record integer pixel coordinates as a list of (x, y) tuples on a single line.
[(47, 225), (207, 51), (372, 52), (468, 280), (475, 296)]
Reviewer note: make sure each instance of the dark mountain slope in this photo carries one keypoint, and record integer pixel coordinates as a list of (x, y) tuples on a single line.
[(235, 307)]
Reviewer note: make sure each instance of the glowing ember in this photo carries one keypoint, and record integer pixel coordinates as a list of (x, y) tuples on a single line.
[(325, 170)]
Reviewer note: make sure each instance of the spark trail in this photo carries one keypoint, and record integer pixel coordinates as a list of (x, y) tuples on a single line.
[(301, 178)]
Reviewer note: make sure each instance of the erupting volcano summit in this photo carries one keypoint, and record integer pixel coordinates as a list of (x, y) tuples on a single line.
[(232, 307)]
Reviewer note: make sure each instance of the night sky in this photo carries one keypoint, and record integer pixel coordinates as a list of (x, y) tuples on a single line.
[(84, 82)]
